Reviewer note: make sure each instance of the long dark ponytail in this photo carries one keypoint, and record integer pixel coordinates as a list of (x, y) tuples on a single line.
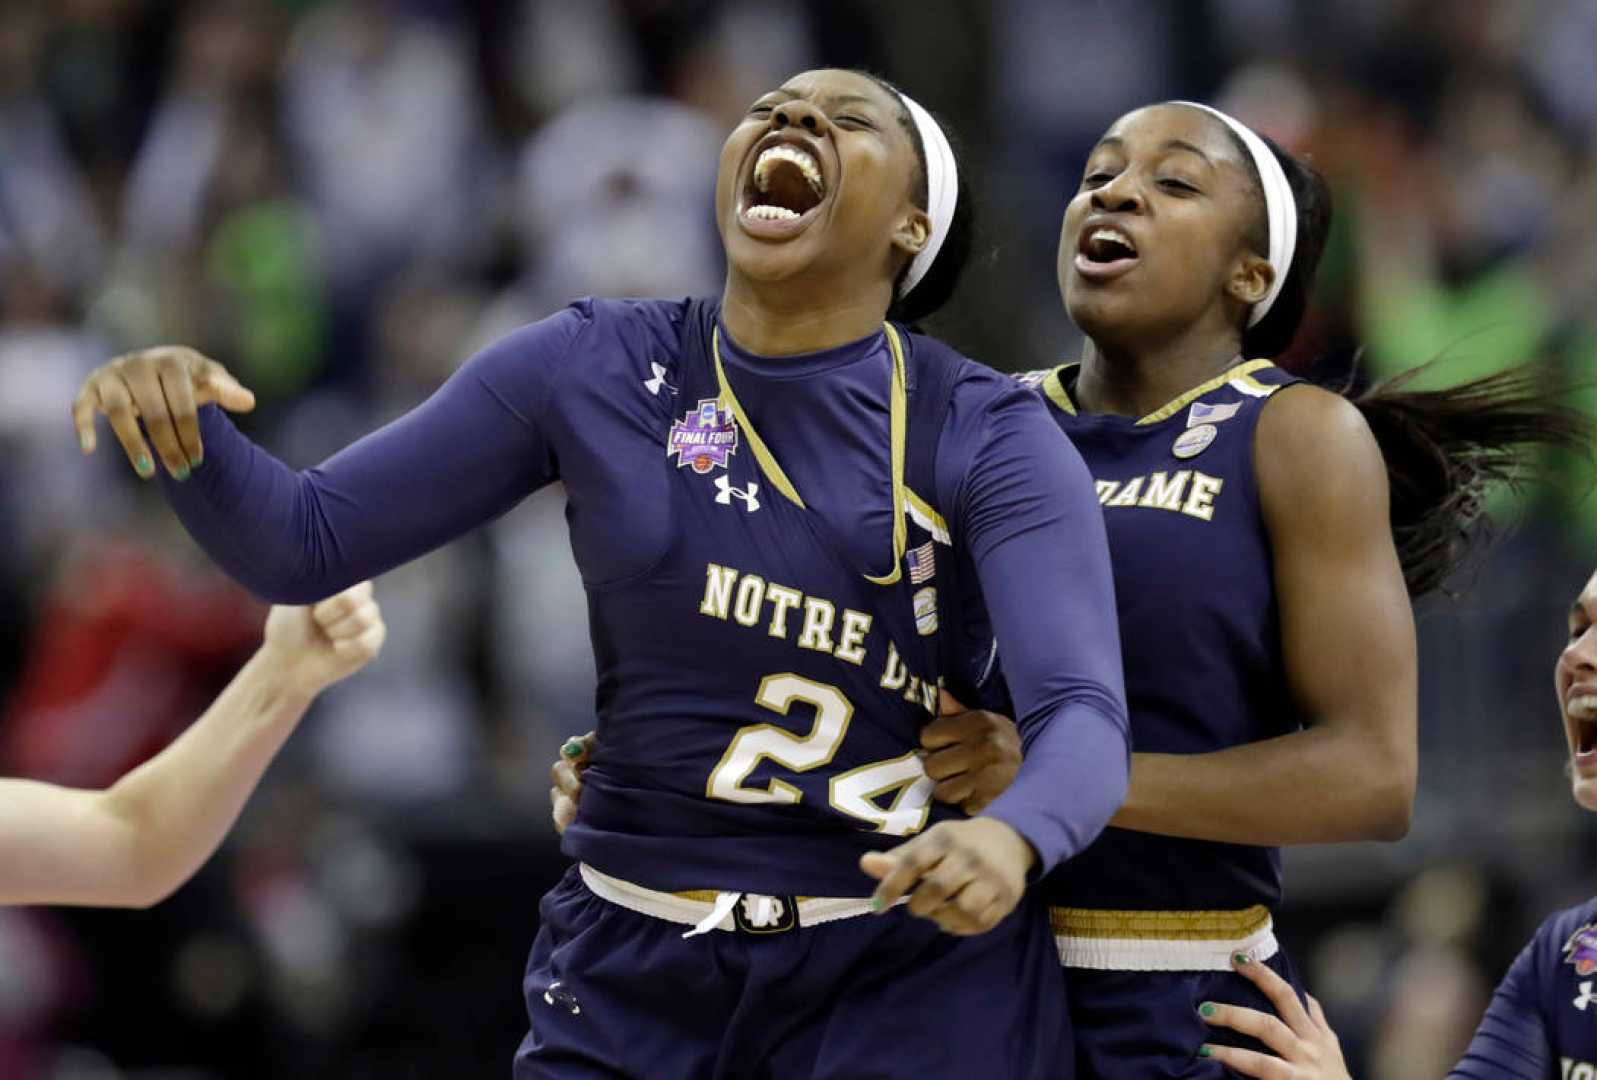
[(1443, 448)]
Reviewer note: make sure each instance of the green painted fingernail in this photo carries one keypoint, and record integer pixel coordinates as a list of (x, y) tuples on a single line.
[(876, 903), (1206, 1009), (1206, 1051), (182, 473), (1242, 959), (83, 441), (143, 465), (197, 460), (572, 748)]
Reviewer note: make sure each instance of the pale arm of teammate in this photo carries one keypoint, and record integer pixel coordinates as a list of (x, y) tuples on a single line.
[(1347, 634), (133, 844)]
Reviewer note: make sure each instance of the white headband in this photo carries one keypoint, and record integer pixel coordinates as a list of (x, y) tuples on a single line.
[(942, 191), (1279, 206)]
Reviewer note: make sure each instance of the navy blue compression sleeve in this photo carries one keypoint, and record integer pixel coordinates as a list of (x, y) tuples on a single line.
[(461, 458), (1029, 513), (1511, 1042)]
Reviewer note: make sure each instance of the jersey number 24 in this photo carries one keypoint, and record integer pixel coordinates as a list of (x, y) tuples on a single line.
[(855, 792)]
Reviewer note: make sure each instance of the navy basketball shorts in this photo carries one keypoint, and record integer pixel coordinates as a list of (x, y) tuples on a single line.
[(1146, 1023), (615, 993)]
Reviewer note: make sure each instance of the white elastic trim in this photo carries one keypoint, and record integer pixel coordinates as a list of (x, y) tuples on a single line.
[(942, 191), (704, 916), (1280, 208), (1156, 954)]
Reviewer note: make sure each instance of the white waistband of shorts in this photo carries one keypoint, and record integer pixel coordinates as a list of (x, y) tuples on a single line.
[(1161, 941), (695, 909)]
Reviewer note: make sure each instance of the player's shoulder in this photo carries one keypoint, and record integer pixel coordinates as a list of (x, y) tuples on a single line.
[(634, 324), (1309, 413), (1304, 427), (594, 340), (1569, 936), (972, 384)]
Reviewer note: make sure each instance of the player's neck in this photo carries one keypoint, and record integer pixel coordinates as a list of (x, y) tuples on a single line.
[(1138, 380), (785, 319)]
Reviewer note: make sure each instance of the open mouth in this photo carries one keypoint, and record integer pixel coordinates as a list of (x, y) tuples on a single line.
[(783, 190), (1104, 252), (1582, 713)]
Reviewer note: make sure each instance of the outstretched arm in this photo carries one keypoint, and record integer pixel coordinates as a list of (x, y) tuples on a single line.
[(461, 458), (136, 842), (1347, 634)]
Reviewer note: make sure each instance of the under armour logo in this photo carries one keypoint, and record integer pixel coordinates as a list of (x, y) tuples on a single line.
[(557, 994), (728, 491), (653, 385), (1586, 996)]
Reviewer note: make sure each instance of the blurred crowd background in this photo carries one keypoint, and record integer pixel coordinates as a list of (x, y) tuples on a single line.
[(342, 199)]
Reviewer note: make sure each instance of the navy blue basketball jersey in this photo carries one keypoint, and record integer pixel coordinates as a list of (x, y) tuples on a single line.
[(1199, 627), (763, 541), (808, 619), (797, 735), (1542, 1022)]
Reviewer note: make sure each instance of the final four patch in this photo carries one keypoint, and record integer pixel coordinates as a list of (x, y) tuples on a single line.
[(1580, 951), (705, 438)]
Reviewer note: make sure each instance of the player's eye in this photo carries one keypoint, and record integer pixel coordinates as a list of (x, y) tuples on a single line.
[(1096, 179), (850, 120), (1170, 183)]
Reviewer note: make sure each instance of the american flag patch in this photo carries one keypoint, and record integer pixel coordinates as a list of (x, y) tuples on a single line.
[(922, 563), (1211, 414)]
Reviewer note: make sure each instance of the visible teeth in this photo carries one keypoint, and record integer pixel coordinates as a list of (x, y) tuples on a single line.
[(1114, 236), (806, 164), (772, 213), (1583, 707)]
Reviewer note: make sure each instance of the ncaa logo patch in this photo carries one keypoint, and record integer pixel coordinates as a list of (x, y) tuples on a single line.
[(703, 439), (1194, 441), (1580, 951), (925, 602)]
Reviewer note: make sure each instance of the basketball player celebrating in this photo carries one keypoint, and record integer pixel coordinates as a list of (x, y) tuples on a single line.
[(761, 492), (1266, 536), (1263, 574), (1539, 1022), (133, 844)]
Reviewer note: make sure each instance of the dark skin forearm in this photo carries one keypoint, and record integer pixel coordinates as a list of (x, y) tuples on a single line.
[(1311, 787)]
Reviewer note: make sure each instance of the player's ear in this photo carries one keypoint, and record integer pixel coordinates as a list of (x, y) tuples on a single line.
[(913, 231), (1251, 278)]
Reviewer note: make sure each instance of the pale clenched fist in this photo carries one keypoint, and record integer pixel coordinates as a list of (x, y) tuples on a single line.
[(318, 645)]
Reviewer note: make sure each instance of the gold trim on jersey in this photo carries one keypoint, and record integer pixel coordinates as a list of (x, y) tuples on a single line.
[(1239, 376), (897, 424), (1053, 384), (922, 514), (1159, 925), (1238, 372), (709, 896), (1252, 387)]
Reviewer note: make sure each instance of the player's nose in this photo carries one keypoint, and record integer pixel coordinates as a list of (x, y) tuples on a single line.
[(801, 114)]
